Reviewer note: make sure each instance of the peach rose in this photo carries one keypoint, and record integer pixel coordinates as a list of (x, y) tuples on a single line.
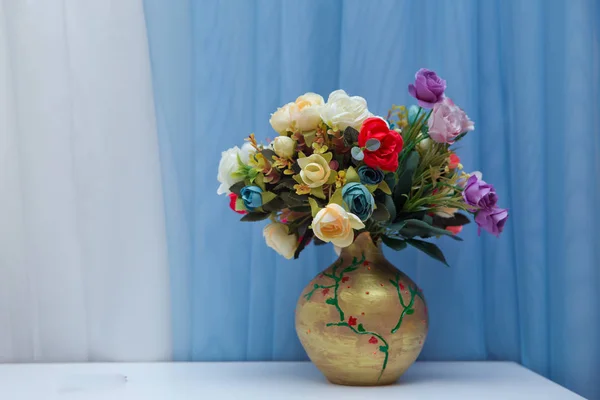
[(336, 225)]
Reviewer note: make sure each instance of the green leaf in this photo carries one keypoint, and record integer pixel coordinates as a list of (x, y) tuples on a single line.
[(360, 328), (391, 207), (255, 216), (397, 226), (428, 248), (418, 226), (300, 208), (314, 206), (284, 184), (384, 187), (268, 153), (237, 188), (336, 198), (304, 240), (381, 213), (327, 156), (260, 181), (457, 220), (274, 205), (351, 175), (393, 243), (372, 188), (332, 178), (394, 283), (239, 204), (309, 137), (292, 199), (405, 179), (331, 301), (318, 192), (410, 311), (350, 136), (267, 197), (383, 349)]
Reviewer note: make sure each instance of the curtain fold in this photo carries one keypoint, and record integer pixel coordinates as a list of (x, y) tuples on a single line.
[(83, 267), (525, 71)]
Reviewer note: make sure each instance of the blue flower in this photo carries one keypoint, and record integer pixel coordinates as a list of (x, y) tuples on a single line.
[(370, 176), (359, 199), (251, 195)]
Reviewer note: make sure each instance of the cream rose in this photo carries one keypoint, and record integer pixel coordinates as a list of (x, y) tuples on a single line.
[(229, 164), (279, 239), (284, 146), (333, 224), (315, 170), (342, 111), (304, 113)]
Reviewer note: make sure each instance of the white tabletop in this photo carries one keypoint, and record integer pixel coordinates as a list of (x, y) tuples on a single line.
[(267, 380)]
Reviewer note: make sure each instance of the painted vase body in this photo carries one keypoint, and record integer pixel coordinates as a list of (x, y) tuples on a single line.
[(362, 321)]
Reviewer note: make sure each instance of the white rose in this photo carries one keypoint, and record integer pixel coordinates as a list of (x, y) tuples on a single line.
[(279, 239), (229, 164), (342, 111), (304, 113), (315, 170), (284, 146), (281, 120)]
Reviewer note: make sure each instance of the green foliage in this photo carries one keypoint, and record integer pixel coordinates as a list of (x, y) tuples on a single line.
[(405, 179), (255, 216), (428, 248)]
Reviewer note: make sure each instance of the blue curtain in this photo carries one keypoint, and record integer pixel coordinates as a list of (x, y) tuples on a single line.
[(527, 72)]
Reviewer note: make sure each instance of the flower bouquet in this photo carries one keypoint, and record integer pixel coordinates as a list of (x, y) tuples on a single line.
[(338, 173)]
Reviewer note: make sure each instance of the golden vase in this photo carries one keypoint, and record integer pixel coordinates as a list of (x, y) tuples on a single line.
[(362, 321)]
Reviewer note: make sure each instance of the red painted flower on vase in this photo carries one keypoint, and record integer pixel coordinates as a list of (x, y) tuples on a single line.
[(325, 291), (373, 340), (352, 321), (345, 279)]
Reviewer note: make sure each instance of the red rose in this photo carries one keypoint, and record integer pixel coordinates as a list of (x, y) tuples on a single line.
[(386, 156), (232, 199)]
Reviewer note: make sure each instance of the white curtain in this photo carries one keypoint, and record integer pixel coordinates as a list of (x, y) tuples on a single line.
[(83, 264)]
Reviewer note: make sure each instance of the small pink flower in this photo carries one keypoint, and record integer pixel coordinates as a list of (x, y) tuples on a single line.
[(447, 122)]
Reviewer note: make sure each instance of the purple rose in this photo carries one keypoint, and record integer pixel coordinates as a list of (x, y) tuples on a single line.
[(478, 193), (428, 88), (492, 220)]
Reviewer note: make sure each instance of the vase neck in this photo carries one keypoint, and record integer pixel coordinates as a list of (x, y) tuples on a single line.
[(363, 245)]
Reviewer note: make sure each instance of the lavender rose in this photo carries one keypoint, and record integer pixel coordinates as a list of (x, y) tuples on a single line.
[(492, 220), (428, 88), (479, 194), (447, 121)]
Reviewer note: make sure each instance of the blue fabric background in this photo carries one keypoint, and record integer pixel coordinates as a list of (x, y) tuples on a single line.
[(527, 73)]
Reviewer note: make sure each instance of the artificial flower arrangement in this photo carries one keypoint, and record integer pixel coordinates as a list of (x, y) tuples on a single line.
[(336, 170)]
